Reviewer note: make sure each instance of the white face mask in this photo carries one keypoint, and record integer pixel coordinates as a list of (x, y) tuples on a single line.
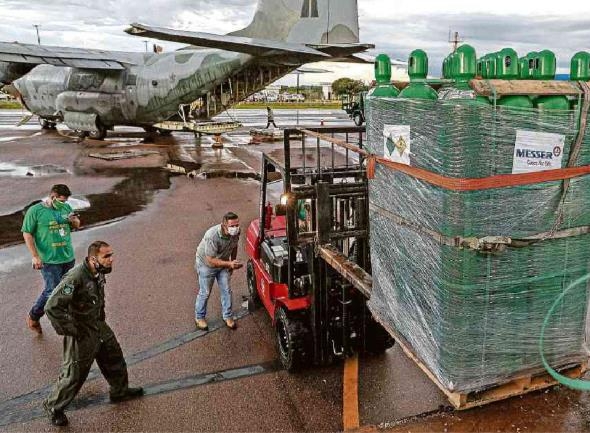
[(233, 231)]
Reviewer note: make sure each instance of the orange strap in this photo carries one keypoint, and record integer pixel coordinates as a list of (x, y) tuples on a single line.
[(475, 184)]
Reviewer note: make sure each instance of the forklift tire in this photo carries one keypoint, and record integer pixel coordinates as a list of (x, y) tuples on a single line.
[(253, 297), (358, 119), (292, 340), (377, 339)]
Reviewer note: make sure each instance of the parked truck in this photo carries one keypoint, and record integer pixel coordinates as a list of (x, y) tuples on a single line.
[(354, 105)]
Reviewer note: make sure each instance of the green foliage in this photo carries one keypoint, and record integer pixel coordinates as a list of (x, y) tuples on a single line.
[(317, 105), (348, 86), (310, 92), (10, 104)]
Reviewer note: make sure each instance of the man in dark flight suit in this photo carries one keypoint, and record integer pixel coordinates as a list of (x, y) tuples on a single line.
[(76, 311)]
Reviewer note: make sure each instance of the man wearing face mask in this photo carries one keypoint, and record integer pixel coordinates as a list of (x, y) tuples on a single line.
[(76, 311), (46, 230), (216, 260)]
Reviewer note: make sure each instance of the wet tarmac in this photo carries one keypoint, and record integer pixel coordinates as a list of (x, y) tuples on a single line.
[(154, 210)]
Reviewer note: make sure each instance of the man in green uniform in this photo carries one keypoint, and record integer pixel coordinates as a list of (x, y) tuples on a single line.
[(76, 311), (46, 231)]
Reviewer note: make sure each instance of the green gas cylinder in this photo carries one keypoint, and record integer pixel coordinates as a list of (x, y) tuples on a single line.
[(450, 69), (507, 64), (523, 68), (465, 64), (484, 67), (507, 68), (480, 69), (545, 65), (579, 71), (491, 64), (383, 88), (533, 61), (580, 66), (418, 70), (463, 112)]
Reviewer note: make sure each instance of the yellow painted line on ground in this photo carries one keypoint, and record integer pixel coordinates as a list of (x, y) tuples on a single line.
[(350, 394)]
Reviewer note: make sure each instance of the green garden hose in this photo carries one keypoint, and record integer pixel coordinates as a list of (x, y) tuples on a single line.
[(581, 385)]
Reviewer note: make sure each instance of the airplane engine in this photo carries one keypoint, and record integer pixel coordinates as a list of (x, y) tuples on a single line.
[(81, 121), (91, 108)]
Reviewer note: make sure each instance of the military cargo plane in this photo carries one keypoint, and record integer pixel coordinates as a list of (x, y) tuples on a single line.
[(91, 90)]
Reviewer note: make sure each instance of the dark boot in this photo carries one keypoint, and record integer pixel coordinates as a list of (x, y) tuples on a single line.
[(57, 417), (130, 393)]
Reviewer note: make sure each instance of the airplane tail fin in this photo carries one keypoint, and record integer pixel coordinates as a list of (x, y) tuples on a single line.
[(305, 21)]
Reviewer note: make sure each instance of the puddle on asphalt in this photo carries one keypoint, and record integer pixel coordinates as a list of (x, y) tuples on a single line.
[(127, 197), (15, 170), (138, 188), (6, 139), (125, 142)]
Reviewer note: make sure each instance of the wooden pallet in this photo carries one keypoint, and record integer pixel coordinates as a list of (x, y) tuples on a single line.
[(518, 385)]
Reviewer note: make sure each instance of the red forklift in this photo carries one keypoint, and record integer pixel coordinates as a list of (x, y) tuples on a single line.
[(309, 263)]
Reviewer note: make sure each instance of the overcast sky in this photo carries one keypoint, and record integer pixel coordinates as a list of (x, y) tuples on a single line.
[(395, 27)]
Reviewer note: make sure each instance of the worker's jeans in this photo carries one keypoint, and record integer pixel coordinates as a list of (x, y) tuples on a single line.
[(207, 276), (52, 275)]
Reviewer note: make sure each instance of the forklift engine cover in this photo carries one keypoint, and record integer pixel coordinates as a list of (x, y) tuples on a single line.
[(274, 255)]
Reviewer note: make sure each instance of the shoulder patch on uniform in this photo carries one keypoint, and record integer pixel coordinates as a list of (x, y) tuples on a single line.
[(67, 289)]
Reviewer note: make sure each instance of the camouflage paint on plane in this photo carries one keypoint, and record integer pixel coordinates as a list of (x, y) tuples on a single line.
[(145, 88)]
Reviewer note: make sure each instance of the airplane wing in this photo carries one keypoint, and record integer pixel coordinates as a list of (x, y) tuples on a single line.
[(364, 58), (352, 59), (252, 46), (306, 70), (342, 50), (14, 52)]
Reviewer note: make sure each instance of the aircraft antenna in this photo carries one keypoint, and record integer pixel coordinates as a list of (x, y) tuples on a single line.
[(328, 25), (455, 40), (37, 29)]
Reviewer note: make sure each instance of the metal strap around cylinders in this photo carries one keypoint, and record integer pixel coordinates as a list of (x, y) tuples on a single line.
[(482, 243)]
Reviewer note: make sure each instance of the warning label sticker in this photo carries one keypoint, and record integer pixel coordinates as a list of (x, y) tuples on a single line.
[(396, 143)]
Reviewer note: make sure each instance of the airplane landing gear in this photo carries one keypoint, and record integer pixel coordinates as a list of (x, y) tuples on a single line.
[(46, 124), (100, 134)]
